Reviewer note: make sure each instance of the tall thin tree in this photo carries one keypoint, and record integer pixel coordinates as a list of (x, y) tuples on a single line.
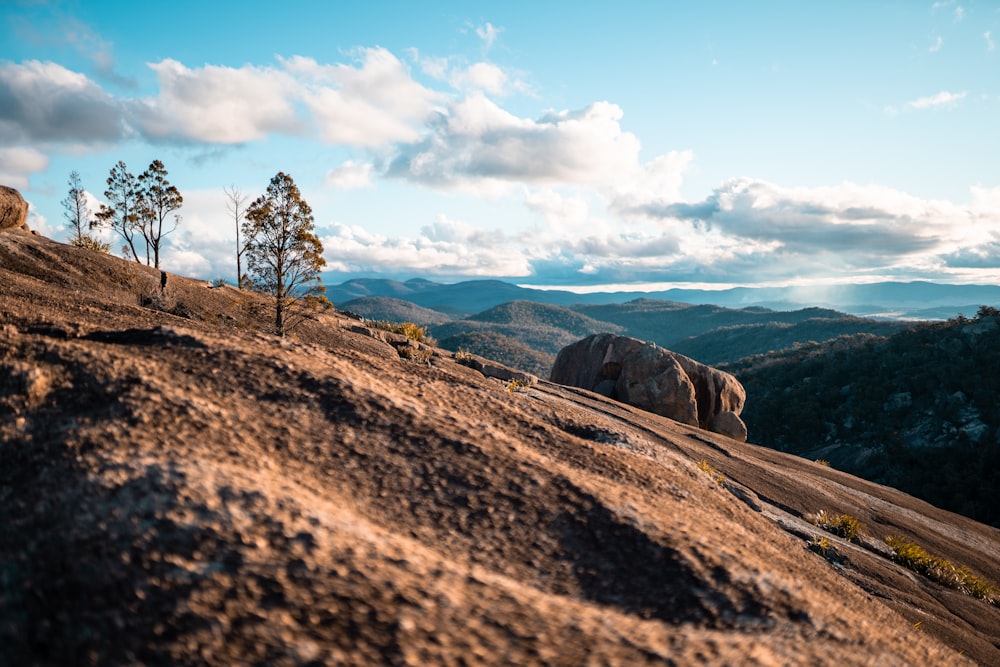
[(157, 200), (121, 213), (284, 255), (76, 211), (236, 205)]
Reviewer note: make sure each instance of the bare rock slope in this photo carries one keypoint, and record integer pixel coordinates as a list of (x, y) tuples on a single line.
[(178, 487)]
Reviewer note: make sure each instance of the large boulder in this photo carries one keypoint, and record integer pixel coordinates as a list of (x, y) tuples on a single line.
[(13, 209), (652, 378)]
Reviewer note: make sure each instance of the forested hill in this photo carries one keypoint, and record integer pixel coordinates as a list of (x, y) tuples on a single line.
[(918, 411), (711, 334)]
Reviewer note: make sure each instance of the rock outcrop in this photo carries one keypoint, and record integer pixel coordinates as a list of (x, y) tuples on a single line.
[(13, 209), (652, 378)]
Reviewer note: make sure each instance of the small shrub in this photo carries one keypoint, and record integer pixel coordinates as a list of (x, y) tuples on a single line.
[(412, 331), (823, 462), (708, 469), (943, 571), (824, 548), (517, 384), (412, 352), (90, 243), (842, 525), (219, 282), (463, 356)]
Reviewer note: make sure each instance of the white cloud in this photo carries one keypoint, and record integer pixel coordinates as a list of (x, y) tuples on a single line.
[(936, 45), (483, 76), (488, 33), (942, 99), (563, 215), (370, 105), (350, 176), (215, 104), (44, 101), (18, 163), (990, 44), (445, 248), (847, 227), (481, 147)]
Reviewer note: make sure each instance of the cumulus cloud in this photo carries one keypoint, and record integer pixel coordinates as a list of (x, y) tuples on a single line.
[(483, 76), (445, 248), (18, 163), (350, 175), (217, 104), (479, 146), (990, 44), (43, 101), (936, 45), (370, 105), (849, 226)]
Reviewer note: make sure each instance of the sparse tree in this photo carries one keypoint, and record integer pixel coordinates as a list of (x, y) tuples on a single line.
[(236, 204), (157, 200), (284, 256), (77, 214), (121, 213)]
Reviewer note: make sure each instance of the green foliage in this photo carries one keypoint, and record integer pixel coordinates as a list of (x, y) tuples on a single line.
[(284, 255), (837, 397), (944, 572), (158, 199), (138, 209), (501, 348), (395, 310), (544, 328), (842, 525), (121, 213)]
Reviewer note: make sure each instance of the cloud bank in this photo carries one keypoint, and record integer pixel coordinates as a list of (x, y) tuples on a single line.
[(595, 209)]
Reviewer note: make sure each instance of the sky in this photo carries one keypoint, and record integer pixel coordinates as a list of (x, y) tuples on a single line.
[(588, 145)]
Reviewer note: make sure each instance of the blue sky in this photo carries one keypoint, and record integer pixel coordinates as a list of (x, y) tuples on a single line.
[(554, 143)]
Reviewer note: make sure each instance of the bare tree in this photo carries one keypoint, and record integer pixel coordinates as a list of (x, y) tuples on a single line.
[(121, 213), (236, 205), (284, 256), (157, 200)]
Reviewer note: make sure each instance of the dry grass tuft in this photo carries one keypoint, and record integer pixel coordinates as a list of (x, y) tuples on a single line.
[(943, 571)]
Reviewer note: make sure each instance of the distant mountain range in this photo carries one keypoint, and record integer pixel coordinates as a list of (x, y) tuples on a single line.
[(892, 300), (528, 335)]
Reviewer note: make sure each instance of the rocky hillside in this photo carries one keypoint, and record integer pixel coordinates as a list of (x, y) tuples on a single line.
[(917, 410), (180, 487)]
